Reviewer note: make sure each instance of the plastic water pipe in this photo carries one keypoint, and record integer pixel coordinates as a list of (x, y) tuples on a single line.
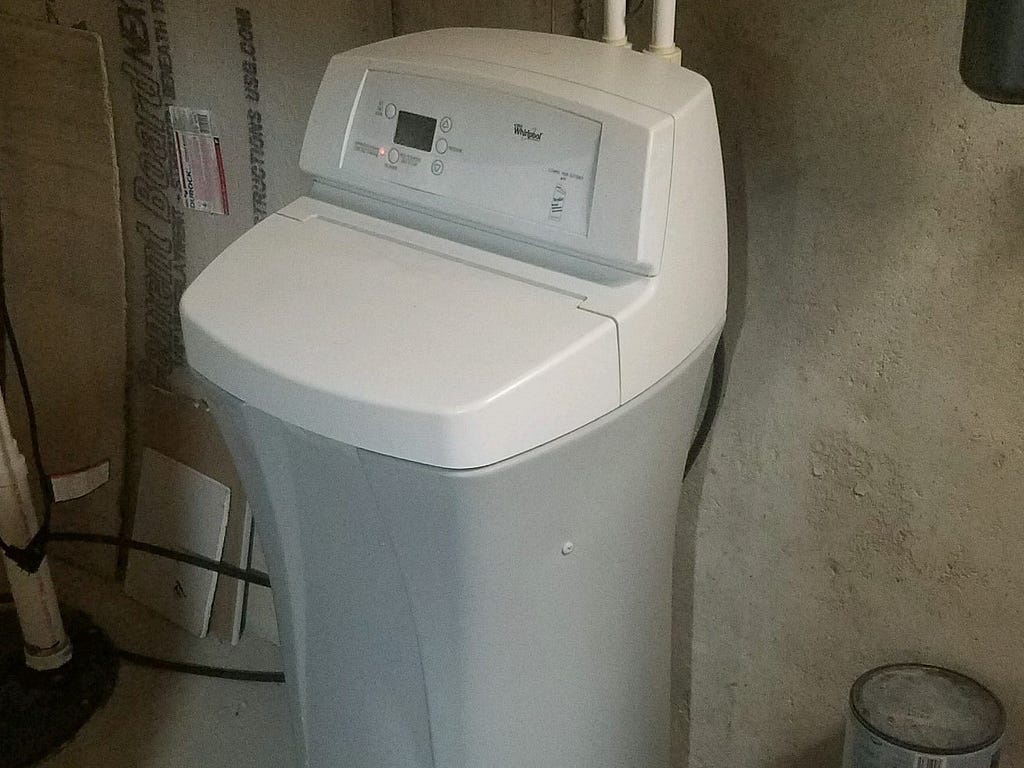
[(615, 22), (46, 642), (664, 31)]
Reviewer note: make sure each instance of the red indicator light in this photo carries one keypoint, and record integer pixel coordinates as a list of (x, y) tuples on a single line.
[(381, 152)]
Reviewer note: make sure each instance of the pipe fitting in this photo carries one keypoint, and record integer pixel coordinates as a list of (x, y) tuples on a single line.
[(670, 53)]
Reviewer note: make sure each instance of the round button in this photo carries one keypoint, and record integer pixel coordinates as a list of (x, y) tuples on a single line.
[(446, 124), (393, 155), (390, 111), (441, 146), (437, 167)]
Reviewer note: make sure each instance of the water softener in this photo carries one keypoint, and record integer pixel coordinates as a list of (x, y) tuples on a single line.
[(460, 380)]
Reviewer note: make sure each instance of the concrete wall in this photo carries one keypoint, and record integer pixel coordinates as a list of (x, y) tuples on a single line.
[(861, 498), (559, 16)]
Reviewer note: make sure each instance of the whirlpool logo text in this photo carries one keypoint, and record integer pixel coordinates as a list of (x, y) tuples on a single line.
[(526, 134)]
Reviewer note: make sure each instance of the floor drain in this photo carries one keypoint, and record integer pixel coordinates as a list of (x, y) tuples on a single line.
[(42, 711)]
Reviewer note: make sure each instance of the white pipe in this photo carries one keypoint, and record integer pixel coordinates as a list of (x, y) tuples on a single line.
[(615, 22), (663, 31), (46, 643)]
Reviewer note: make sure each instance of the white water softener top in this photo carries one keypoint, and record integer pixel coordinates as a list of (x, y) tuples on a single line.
[(509, 235)]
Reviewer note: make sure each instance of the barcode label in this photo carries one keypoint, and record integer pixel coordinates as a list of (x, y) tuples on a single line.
[(187, 120), (930, 762), (200, 163)]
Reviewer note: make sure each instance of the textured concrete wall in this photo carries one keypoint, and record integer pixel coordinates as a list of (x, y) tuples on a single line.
[(862, 498), (560, 16)]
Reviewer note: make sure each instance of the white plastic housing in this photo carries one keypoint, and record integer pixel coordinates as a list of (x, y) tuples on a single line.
[(510, 234), (388, 342)]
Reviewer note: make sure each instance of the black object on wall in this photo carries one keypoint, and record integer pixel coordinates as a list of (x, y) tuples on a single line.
[(992, 55)]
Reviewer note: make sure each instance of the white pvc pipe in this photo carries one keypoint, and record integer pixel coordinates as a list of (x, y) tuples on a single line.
[(615, 22), (664, 29), (46, 642)]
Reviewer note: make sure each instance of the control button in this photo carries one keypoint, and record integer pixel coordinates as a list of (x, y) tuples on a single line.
[(390, 111), (393, 155), (442, 146), (437, 167), (446, 124)]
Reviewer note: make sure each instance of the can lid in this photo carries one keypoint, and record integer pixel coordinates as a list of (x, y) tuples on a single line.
[(927, 709)]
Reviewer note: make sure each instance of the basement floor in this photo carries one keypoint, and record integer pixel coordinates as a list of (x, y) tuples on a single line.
[(169, 720)]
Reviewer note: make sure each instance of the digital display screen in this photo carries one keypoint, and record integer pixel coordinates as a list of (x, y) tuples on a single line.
[(416, 131)]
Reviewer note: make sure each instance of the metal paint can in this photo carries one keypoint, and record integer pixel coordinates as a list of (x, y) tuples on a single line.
[(919, 716)]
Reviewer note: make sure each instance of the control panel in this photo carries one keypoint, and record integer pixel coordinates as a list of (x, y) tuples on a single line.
[(502, 157), (482, 148)]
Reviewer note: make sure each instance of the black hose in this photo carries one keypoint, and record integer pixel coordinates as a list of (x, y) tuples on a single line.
[(168, 665), (202, 670), (248, 575), (711, 411)]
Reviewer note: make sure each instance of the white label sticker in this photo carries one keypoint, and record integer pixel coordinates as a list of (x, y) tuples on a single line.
[(930, 761), (200, 164), (75, 485)]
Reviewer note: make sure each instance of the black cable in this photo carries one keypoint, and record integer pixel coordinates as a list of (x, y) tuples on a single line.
[(30, 408), (711, 411), (248, 575), (3, 344), (202, 670), (31, 555), (168, 665), (26, 391)]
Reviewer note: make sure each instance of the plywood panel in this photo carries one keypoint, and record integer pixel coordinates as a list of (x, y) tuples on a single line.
[(63, 259)]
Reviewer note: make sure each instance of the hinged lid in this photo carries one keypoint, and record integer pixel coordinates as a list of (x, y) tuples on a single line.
[(384, 345)]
